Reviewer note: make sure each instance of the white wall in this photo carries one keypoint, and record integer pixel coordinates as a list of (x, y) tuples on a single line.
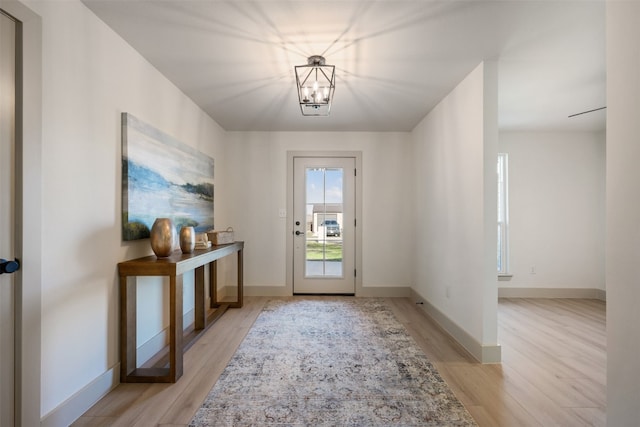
[(556, 209), (90, 76), (623, 213), (257, 189), (455, 197)]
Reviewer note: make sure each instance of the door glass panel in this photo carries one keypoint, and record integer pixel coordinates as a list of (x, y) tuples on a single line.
[(324, 208)]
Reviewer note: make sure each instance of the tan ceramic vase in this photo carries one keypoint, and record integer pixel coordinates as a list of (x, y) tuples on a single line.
[(187, 239), (163, 237)]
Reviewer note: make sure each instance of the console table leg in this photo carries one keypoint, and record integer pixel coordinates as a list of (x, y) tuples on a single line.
[(238, 303), (175, 327), (199, 309), (128, 330), (213, 284)]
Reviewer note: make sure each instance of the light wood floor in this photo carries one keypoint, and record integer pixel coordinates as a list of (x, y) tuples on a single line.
[(552, 374)]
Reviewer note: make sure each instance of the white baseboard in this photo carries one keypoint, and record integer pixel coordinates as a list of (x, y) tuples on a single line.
[(159, 341), (152, 347), (482, 353), (384, 292), (72, 408), (582, 293), (282, 291), (256, 291)]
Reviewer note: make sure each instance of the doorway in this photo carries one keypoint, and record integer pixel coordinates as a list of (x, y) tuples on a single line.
[(324, 225), (7, 215)]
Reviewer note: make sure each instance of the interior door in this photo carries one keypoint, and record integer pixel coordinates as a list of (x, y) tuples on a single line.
[(324, 225), (7, 200)]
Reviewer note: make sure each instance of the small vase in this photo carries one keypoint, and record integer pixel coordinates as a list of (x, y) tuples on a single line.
[(187, 239), (163, 237)]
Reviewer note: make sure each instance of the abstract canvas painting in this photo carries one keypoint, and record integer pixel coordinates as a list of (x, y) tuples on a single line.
[(162, 178)]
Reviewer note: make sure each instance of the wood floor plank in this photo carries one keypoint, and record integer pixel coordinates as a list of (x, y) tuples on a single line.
[(94, 421), (553, 371), (485, 387), (116, 403), (595, 417)]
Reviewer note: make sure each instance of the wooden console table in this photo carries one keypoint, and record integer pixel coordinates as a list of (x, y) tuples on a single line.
[(174, 267)]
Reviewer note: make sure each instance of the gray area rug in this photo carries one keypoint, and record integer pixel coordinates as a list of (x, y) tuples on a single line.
[(339, 362)]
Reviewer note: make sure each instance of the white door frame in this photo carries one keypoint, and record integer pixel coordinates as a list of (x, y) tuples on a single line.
[(8, 30), (357, 155), (28, 280)]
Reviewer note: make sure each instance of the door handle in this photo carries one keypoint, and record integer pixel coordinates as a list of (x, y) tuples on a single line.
[(9, 266), (298, 232)]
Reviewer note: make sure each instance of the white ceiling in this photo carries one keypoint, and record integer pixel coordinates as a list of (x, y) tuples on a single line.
[(395, 60)]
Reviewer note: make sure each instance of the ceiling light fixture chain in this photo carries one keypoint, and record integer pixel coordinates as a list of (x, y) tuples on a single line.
[(315, 83)]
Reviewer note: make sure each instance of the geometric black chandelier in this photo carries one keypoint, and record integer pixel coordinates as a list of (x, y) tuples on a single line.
[(316, 83)]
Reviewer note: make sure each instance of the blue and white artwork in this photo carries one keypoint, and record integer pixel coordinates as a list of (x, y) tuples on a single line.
[(162, 178)]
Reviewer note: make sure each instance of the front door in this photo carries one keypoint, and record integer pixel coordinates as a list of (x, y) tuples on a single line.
[(7, 200), (324, 225)]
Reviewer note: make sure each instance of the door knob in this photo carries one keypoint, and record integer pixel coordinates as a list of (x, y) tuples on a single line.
[(9, 266), (298, 232)]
